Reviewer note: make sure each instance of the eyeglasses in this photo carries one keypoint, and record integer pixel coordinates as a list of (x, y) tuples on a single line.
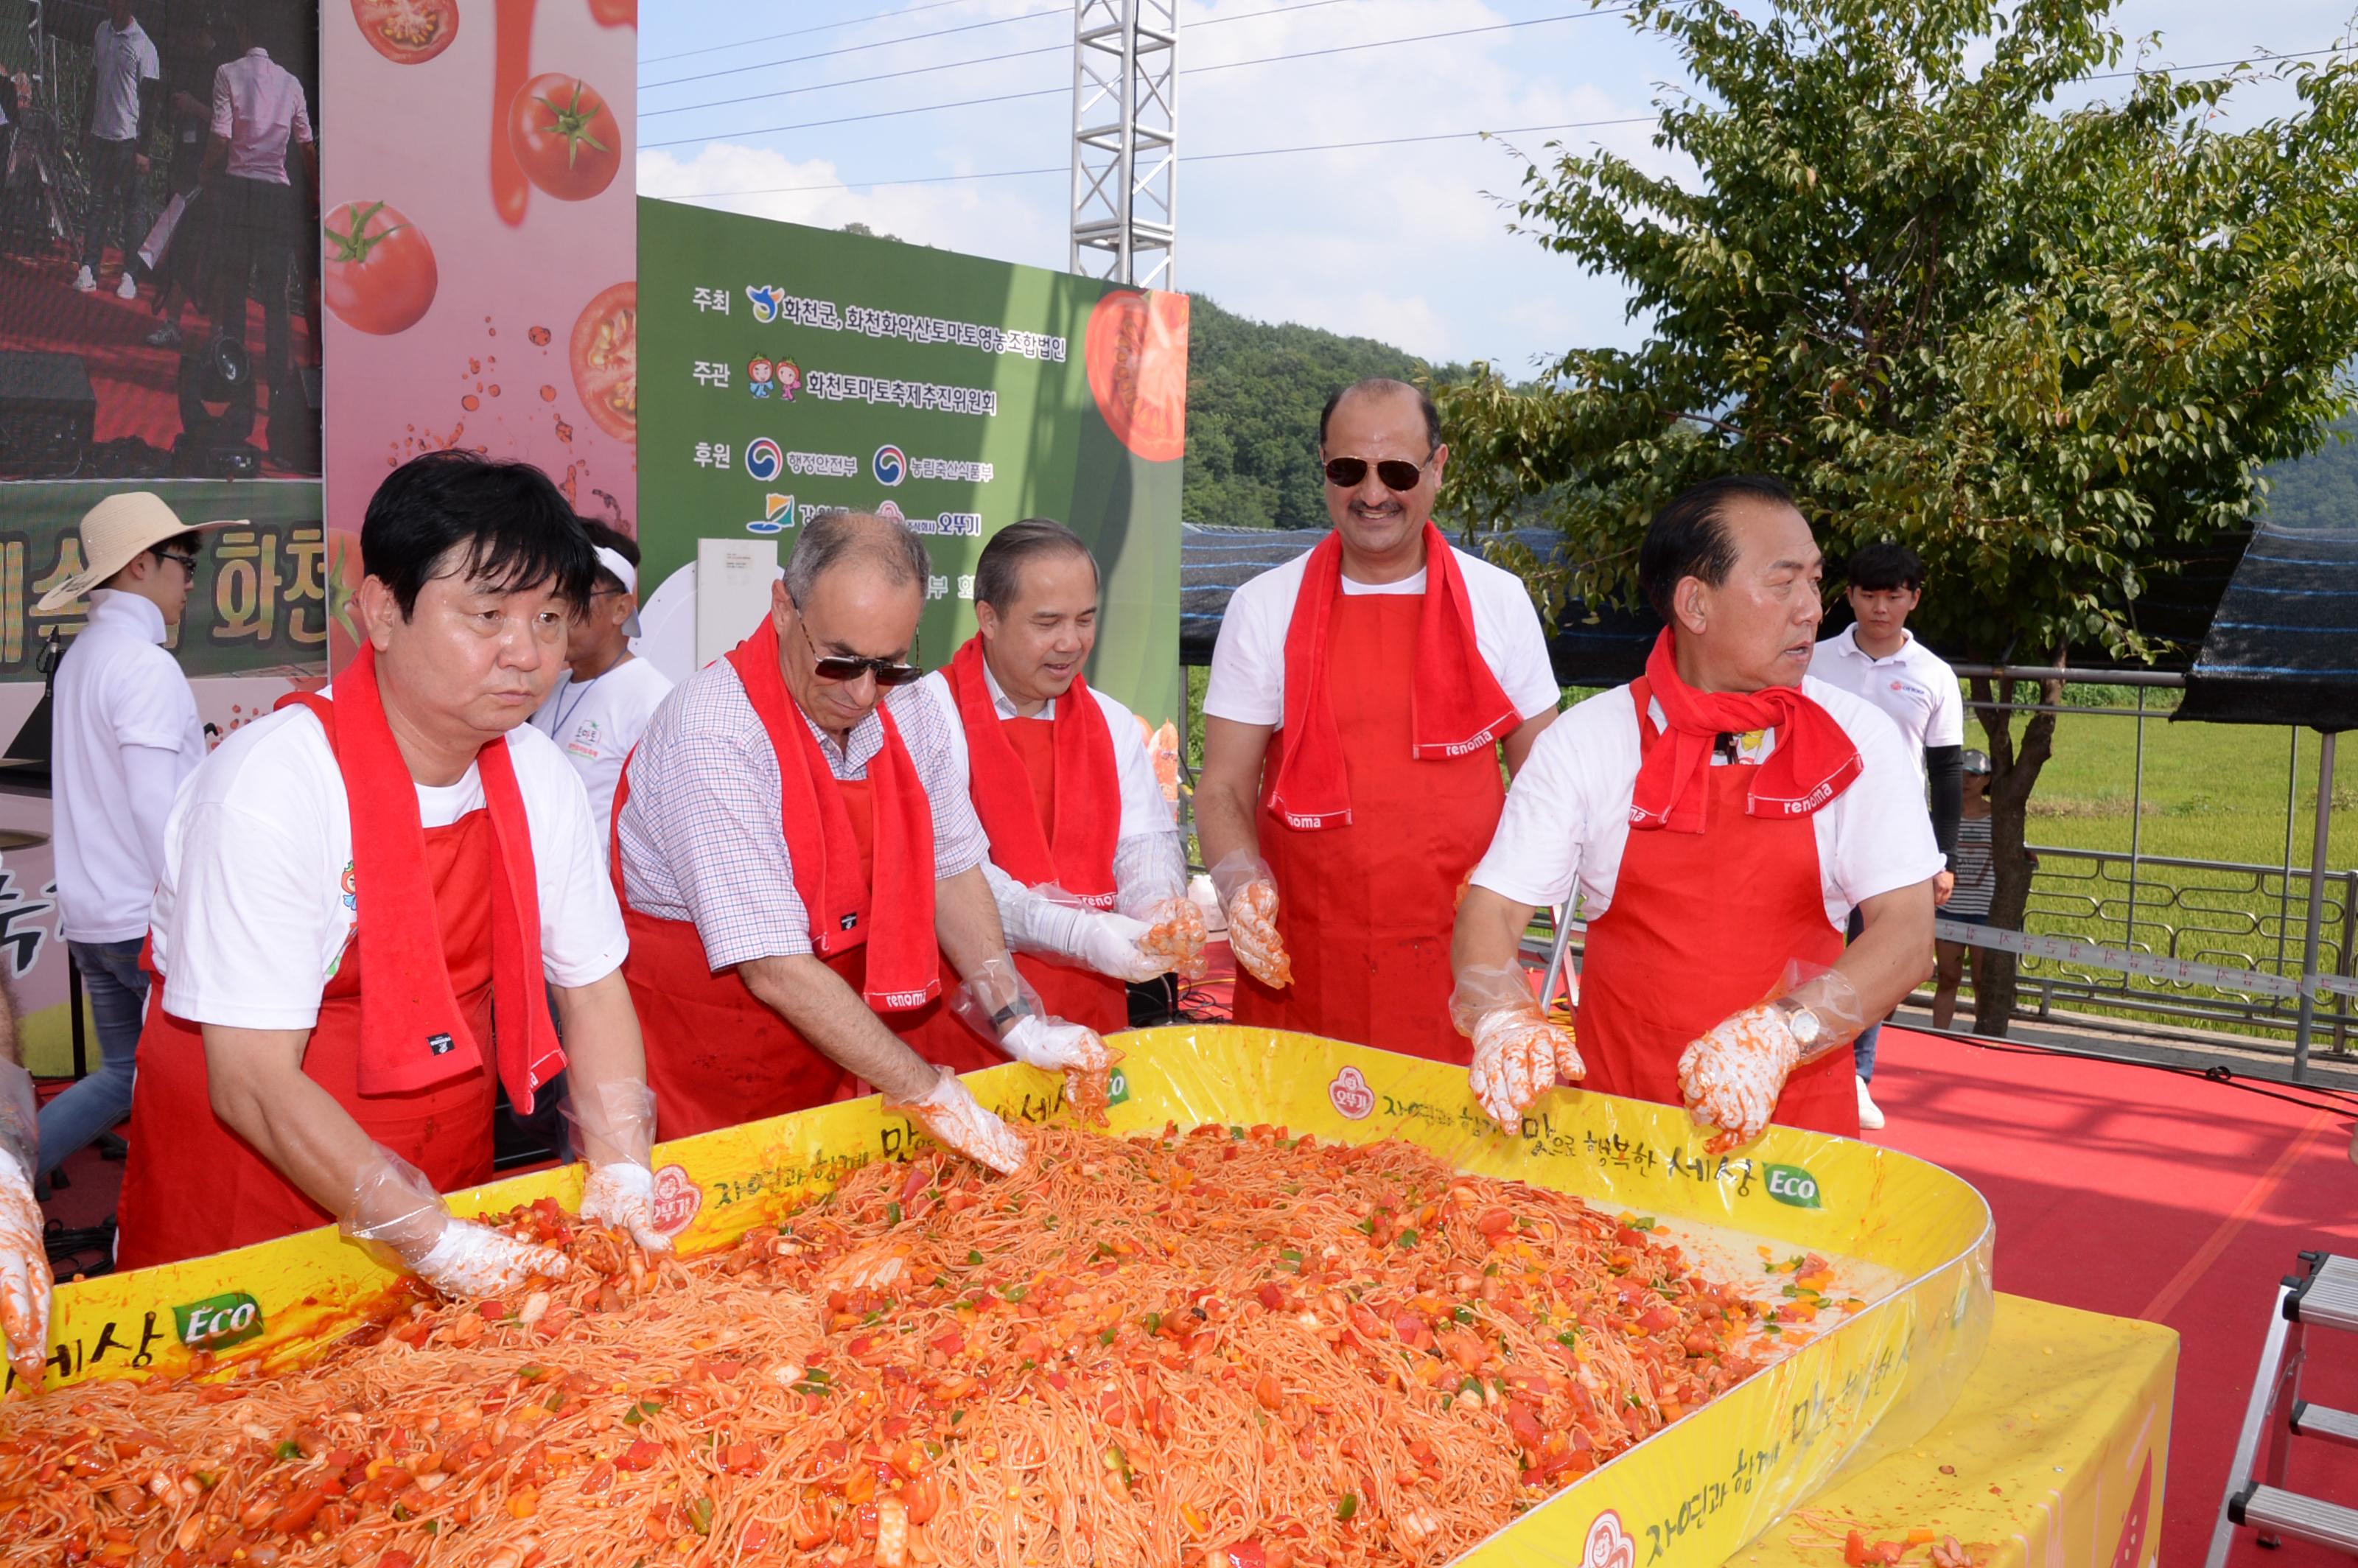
[(186, 563), (1397, 473), (851, 666)]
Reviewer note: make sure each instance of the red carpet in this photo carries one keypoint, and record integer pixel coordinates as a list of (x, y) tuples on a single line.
[(2152, 1194)]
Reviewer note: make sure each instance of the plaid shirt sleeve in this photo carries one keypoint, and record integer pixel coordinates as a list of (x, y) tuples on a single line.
[(700, 836), (959, 844)]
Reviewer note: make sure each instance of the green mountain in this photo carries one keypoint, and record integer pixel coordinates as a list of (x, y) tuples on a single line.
[(1253, 394), (2319, 490)]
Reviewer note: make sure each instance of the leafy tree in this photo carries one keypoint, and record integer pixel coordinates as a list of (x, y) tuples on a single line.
[(1253, 394), (2048, 349)]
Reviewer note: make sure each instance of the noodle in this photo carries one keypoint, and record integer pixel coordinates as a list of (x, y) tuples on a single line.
[(1228, 1346)]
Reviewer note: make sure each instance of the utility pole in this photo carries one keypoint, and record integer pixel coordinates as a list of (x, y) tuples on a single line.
[(1125, 140)]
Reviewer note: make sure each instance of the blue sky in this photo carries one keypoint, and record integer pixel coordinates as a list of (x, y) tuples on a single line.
[(1407, 243)]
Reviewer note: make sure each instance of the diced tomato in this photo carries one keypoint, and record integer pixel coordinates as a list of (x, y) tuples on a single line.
[(923, 1497), (639, 1456), (1494, 1221), (1271, 1295), (1524, 1424), (1246, 1554), (298, 1511), (754, 1536), (1267, 1393)]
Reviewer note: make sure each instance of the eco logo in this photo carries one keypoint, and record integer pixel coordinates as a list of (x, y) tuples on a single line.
[(1116, 1087), (1351, 1095), (678, 1199), (764, 459), (777, 514), (231, 1318), (1791, 1184), (891, 465)]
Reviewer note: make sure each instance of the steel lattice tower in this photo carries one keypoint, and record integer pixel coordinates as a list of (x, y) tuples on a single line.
[(1125, 140)]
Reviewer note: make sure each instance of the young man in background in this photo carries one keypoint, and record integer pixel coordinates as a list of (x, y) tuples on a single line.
[(605, 695), (1877, 657)]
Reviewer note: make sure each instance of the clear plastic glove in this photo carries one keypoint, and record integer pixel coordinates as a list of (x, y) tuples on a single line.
[(25, 1281), (1114, 945), (1249, 896), (1175, 936), (956, 1120), (1518, 1054), (614, 1127), (1053, 1046), (624, 1195), (1731, 1077), (393, 1205), (471, 1260)]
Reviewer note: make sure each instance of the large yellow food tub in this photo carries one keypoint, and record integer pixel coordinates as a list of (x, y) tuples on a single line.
[(1691, 1494)]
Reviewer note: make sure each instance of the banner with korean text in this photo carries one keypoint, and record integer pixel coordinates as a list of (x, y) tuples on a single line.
[(791, 371)]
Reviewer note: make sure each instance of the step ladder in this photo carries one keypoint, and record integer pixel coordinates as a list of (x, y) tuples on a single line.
[(2324, 1293)]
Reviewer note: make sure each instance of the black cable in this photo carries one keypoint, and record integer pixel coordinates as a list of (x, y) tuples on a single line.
[(1185, 158), (799, 32), (2342, 1101), (1044, 91)]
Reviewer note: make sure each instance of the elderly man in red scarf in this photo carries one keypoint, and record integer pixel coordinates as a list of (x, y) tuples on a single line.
[(355, 887), (1360, 701), (798, 854), (1086, 859), (1718, 820)]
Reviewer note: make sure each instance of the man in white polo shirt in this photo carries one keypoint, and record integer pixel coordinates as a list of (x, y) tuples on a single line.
[(1718, 819), (124, 74), (1877, 657), (1360, 701), (125, 733), (605, 695)]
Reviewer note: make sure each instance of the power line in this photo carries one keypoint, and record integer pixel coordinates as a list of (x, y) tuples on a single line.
[(859, 48), (1187, 157), (1189, 70), (917, 38), (799, 32)]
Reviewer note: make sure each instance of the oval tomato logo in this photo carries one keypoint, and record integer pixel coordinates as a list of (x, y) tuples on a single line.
[(1136, 351)]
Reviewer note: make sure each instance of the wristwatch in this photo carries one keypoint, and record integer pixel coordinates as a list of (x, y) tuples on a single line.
[(1801, 1023), (1020, 1007)]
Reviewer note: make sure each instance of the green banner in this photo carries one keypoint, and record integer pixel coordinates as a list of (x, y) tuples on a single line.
[(785, 371), (262, 599)]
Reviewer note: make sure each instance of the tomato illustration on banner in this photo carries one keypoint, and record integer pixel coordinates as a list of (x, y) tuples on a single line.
[(1137, 355), (380, 276), (407, 32)]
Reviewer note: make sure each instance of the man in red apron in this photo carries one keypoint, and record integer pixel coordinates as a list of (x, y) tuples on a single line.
[(1086, 859), (791, 849), (1359, 701), (368, 898), (1718, 819)]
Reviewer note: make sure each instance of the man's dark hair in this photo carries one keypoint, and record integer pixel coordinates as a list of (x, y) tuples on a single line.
[(1688, 537), (998, 575), (602, 537), (1384, 384), (1880, 567), (500, 523)]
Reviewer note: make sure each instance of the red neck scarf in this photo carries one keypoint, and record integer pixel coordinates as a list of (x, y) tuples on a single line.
[(895, 917), (1456, 703), (1815, 760), (413, 1032), (1080, 859)]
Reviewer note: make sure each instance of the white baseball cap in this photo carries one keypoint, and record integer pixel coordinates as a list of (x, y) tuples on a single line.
[(619, 565)]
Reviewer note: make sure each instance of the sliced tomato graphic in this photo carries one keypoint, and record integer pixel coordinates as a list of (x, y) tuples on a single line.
[(407, 32), (604, 354), (1136, 352)]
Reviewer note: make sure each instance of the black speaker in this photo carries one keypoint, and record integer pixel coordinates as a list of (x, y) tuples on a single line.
[(48, 414), (294, 422)]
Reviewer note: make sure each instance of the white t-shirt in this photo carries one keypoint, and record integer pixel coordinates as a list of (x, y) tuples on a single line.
[(120, 63), (1567, 818), (117, 688), (1915, 687), (1248, 679), (596, 722), (1144, 807), (252, 919)]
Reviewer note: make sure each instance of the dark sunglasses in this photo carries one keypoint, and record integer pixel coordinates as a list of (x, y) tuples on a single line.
[(186, 563), (850, 666), (1397, 473)]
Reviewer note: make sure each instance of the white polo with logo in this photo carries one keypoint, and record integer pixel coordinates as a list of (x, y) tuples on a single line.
[(1915, 688)]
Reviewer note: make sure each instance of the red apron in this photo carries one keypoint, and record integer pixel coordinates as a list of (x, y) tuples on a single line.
[(1701, 927), (1366, 908), (717, 1053), (1066, 990), (192, 1188)]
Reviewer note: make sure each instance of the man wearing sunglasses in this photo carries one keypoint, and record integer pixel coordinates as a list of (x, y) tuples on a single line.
[(791, 844), (124, 733), (1360, 699)]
